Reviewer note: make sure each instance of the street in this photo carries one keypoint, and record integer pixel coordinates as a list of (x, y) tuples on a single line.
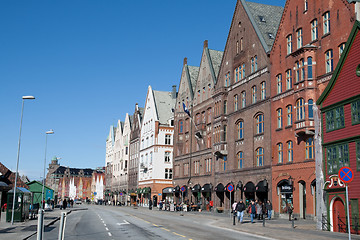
[(107, 222)]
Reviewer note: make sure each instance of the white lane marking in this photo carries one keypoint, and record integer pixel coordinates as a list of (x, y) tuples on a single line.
[(109, 234), (104, 224), (107, 229), (125, 222)]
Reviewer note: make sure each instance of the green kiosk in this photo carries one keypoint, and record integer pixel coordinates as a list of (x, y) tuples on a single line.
[(22, 204)]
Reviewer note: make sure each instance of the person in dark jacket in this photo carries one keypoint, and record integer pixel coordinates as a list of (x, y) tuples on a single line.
[(64, 204), (252, 210), (289, 209), (269, 209), (150, 204), (240, 207)]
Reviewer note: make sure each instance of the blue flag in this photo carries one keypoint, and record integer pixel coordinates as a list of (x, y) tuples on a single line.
[(186, 109)]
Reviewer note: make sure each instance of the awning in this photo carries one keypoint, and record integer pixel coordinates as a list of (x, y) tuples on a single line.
[(196, 188), (133, 194), (249, 187), (146, 190), (168, 190), (262, 186), (220, 188), (138, 191), (206, 188)]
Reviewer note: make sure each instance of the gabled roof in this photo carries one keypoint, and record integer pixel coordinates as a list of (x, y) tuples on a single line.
[(265, 20), (216, 57), (193, 75), (164, 104), (340, 64)]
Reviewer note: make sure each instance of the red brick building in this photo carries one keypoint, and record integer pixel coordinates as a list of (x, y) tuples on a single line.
[(308, 45), (341, 135)]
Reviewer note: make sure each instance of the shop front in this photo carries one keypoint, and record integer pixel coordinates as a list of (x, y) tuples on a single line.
[(206, 192), (262, 191), (285, 191), (249, 192), (168, 195), (219, 190)]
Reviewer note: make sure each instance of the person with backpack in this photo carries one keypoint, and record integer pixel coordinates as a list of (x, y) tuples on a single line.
[(240, 207)]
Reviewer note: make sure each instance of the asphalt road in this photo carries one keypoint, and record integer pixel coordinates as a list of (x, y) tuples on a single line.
[(107, 222)]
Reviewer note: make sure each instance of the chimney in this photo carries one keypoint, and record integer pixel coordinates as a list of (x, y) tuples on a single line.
[(185, 61), (205, 43), (173, 93)]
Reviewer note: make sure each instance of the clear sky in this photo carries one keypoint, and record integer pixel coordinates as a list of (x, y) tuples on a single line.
[(87, 63)]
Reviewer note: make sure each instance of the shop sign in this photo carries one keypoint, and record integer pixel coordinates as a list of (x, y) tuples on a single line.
[(286, 188)]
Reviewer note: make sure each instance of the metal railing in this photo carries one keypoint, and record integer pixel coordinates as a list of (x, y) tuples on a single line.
[(354, 226)]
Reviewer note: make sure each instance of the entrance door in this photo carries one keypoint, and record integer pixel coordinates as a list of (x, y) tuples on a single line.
[(338, 216), (302, 199)]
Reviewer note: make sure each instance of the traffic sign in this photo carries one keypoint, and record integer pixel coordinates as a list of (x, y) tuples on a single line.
[(183, 189), (346, 174), (230, 188)]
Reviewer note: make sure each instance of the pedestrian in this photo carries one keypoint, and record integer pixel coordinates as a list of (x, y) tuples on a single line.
[(160, 205), (64, 204), (150, 204), (269, 209), (258, 210), (233, 210), (240, 207), (289, 209), (252, 210)]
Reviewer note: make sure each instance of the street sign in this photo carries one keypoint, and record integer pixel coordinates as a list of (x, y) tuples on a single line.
[(121, 194), (183, 189), (346, 174), (230, 188)]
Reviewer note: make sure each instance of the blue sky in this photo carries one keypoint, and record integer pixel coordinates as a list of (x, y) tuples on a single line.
[(87, 63)]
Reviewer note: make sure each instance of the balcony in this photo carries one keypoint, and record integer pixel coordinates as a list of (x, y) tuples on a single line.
[(304, 128)]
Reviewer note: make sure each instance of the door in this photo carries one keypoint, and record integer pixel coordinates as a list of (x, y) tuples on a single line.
[(338, 216)]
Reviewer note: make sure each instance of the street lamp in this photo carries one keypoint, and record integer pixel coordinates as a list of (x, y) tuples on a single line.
[(43, 186), (18, 156)]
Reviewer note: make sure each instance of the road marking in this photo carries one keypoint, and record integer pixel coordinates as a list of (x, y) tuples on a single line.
[(109, 234), (179, 235), (104, 224), (125, 222), (165, 229), (107, 229), (155, 225)]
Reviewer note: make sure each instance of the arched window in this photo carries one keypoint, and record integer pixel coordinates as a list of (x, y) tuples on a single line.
[(259, 124), (243, 99), (240, 160), (260, 156), (309, 149), (280, 152), (263, 90), (290, 151), (236, 102), (300, 109), (329, 61), (289, 115), (253, 94), (240, 129), (288, 79), (279, 83)]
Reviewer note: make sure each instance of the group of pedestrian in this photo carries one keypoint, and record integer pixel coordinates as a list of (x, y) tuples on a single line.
[(255, 209)]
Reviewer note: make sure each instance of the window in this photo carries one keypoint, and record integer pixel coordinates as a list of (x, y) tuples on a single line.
[(314, 30), (263, 90), (290, 151), (289, 115), (240, 160), (167, 139), (208, 165), (151, 158), (335, 119), (209, 115), (329, 61), (168, 173), (288, 79), (358, 155), (341, 49), (337, 157), (186, 169), (181, 126), (310, 68), (326, 23), (243, 71), (243, 99), (309, 149), (299, 36), (241, 43), (224, 133), (280, 152), (300, 109), (260, 156), (254, 65), (297, 71), (289, 43), (237, 47), (240, 129), (259, 124), (310, 108), (239, 72), (167, 157), (302, 66), (279, 118), (253, 94), (305, 5), (223, 163), (236, 105), (355, 112), (196, 167), (225, 107), (279, 83), (227, 79)]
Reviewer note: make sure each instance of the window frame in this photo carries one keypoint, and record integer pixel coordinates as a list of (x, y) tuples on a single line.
[(300, 109), (260, 157), (332, 120), (289, 44), (309, 149), (326, 23), (290, 151), (314, 30), (279, 83), (299, 38), (259, 120), (355, 111), (329, 61), (289, 115), (279, 118), (334, 157), (240, 159), (280, 152)]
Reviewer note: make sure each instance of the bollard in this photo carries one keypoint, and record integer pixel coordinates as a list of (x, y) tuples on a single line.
[(62, 226), (234, 218), (263, 221), (40, 226), (292, 223)]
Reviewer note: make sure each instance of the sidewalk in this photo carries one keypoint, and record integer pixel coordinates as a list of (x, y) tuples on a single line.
[(25, 230)]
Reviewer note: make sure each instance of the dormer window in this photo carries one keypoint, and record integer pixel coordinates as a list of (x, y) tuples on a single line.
[(262, 19), (271, 36)]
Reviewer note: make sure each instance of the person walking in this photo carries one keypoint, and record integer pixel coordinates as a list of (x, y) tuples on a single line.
[(64, 204), (150, 204), (252, 210), (289, 209), (240, 207), (269, 209), (258, 210)]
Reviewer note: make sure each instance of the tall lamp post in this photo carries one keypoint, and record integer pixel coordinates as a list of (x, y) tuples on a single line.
[(43, 186), (18, 156)]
